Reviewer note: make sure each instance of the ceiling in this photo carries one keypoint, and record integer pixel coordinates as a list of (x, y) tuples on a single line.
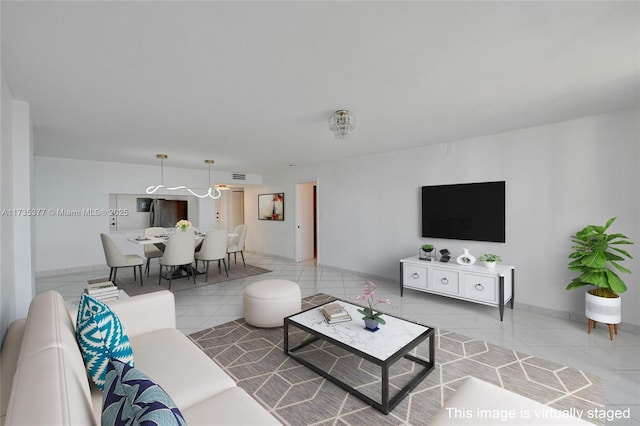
[(252, 84)]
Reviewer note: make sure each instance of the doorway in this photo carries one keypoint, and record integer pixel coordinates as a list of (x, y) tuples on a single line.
[(230, 209), (237, 207), (306, 221)]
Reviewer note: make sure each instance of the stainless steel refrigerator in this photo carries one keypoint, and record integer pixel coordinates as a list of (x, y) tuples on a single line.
[(165, 213)]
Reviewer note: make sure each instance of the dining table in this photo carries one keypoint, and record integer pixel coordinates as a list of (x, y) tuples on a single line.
[(161, 240), (160, 243)]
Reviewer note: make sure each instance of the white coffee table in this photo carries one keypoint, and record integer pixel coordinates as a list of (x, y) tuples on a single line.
[(392, 342)]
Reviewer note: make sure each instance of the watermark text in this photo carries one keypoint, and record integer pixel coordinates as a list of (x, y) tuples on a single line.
[(57, 212)]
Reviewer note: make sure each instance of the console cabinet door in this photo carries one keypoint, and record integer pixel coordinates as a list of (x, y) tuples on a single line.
[(444, 281), (481, 287), (415, 276)]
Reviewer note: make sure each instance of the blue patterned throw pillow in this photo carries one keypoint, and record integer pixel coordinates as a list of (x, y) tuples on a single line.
[(100, 337), (131, 398)]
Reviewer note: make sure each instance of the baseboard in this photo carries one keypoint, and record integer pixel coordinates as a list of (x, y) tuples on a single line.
[(631, 328)]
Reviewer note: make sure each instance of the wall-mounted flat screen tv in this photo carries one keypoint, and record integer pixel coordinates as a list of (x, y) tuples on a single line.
[(468, 211)]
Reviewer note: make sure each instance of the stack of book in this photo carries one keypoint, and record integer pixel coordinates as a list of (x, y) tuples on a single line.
[(335, 312), (102, 290)]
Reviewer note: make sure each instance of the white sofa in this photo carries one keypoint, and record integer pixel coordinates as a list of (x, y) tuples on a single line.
[(44, 381)]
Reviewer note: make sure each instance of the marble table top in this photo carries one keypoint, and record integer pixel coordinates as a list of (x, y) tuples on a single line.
[(381, 344)]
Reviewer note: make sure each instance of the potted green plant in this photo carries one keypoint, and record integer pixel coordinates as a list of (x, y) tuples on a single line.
[(596, 258), (490, 259), (427, 252)]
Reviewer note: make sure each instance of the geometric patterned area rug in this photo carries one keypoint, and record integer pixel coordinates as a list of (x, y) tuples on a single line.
[(295, 395), (150, 283)]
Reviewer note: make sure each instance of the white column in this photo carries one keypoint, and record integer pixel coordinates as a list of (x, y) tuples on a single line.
[(23, 241)]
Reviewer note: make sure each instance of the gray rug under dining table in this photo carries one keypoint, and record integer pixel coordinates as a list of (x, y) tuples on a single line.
[(150, 283), (295, 395)]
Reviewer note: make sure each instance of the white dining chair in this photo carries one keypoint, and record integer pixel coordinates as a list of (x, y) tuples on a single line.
[(178, 252), (151, 251), (235, 244), (214, 247), (115, 259)]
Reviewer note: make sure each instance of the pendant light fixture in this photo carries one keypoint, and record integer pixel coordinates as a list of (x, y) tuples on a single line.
[(152, 189), (342, 123)]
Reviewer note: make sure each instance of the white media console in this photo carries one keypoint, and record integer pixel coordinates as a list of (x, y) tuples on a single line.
[(474, 283)]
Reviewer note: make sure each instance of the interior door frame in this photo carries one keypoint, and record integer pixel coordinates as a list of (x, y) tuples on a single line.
[(298, 212)]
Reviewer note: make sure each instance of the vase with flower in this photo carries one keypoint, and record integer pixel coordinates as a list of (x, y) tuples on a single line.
[(183, 225), (372, 318)]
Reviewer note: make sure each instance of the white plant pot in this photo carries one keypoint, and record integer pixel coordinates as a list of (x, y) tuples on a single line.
[(490, 264), (603, 309)]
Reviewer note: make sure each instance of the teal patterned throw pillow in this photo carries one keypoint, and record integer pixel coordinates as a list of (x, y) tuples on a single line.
[(132, 398), (100, 337)]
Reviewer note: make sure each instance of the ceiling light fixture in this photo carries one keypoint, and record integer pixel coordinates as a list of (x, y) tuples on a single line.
[(222, 187), (342, 123), (152, 189)]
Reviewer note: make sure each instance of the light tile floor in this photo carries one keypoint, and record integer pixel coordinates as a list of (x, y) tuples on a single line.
[(560, 340)]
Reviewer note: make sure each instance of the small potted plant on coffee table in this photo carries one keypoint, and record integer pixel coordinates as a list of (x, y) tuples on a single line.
[(370, 316), (490, 259)]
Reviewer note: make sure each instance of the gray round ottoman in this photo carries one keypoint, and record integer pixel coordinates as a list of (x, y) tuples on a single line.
[(267, 302)]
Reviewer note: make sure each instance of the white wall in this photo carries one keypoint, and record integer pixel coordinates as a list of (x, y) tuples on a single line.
[(7, 281), (72, 242), (17, 279), (269, 236), (23, 253), (559, 178)]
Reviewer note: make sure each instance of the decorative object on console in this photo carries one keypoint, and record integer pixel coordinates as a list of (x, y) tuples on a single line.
[(594, 251), (445, 255), (490, 259), (427, 252), (152, 189), (367, 311), (183, 225), (342, 123), (466, 258)]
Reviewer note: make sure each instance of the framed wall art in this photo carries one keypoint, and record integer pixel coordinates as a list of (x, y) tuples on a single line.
[(271, 206)]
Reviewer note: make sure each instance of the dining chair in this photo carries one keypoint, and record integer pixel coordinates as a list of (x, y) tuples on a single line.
[(235, 244), (178, 252), (151, 251), (214, 247), (115, 259)]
